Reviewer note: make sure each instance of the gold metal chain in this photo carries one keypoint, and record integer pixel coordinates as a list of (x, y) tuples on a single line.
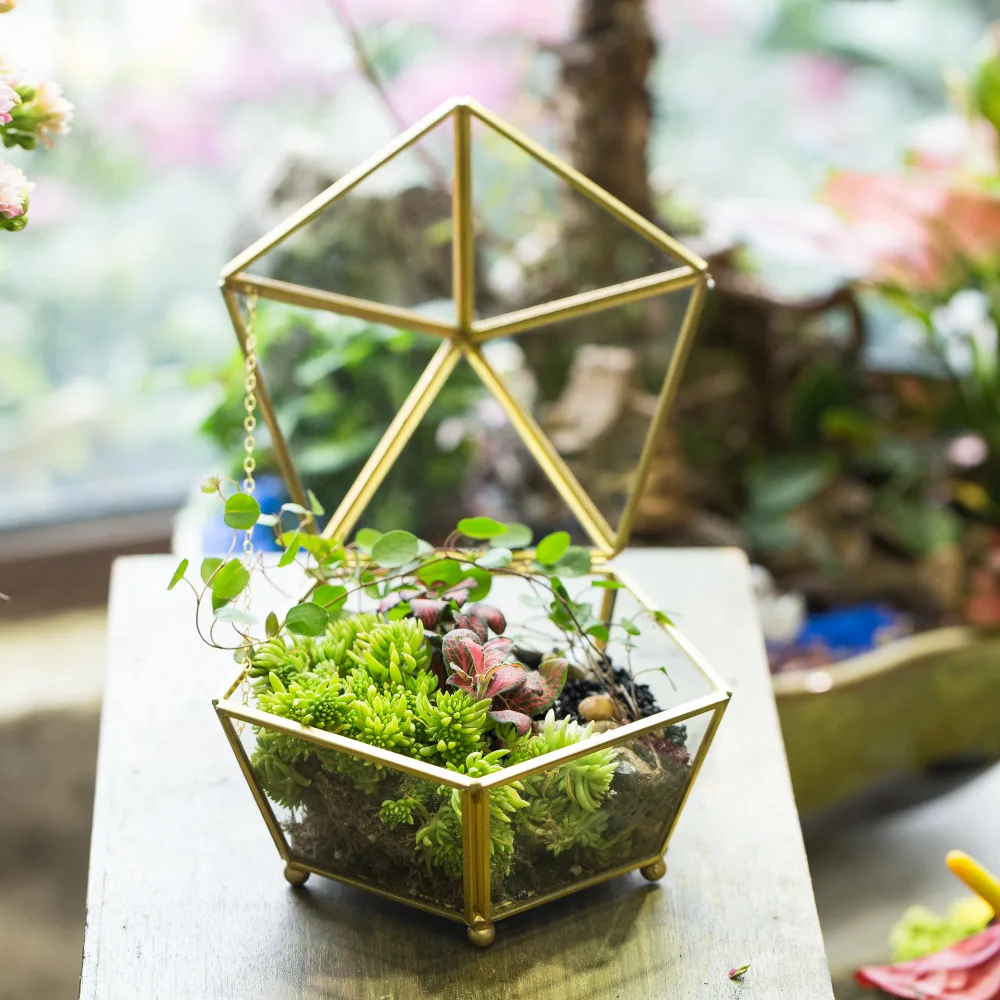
[(249, 462)]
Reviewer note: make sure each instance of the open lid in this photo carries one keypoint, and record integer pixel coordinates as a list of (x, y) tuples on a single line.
[(467, 333)]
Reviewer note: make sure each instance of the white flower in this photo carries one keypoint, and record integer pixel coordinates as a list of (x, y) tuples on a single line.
[(54, 112), (962, 322), (14, 188)]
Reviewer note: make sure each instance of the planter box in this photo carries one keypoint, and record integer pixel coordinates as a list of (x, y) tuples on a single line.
[(334, 827)]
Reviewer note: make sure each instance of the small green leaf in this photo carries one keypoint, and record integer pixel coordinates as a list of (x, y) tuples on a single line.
[(495, 558), (210, 485), (208, 567), (484, 582), (314, 504), (231, 614), (366, 538), (739, 972), (394, 548), (242, 511), (400, 610), (271, 624), (598, 632), (661, 619), (307, 619), (219, 602), (292, 547), (480, 527), (230, 581), (575, 561), (294, 508), (607, 584), (178, 574), (515, 536), (552, 547), (446, 571), (629, 626), (328, 595)]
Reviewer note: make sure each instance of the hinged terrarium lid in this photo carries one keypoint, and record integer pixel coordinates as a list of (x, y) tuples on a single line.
[(467, 335)]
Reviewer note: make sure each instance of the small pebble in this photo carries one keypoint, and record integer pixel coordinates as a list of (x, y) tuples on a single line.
[(603, 725), (597, 706)]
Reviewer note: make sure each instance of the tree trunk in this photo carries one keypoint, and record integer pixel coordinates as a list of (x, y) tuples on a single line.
[(605, 113)]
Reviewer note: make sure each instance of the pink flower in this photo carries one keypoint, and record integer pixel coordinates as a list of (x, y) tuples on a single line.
[(969, 970), (53, 110), (14, 188), (8, 99)]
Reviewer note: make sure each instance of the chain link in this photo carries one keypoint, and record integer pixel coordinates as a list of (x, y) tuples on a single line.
[(249, 462)]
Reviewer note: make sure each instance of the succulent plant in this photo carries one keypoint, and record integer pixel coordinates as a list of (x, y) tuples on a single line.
[(309, 699), (490, 672), (451, 727)]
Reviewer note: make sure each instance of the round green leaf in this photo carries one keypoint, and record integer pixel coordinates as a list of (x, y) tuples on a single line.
[(575, 561), (495, 558), (515, 536), (480, 527), (446, 571), (329, 595), (395, 548), (552, 547), (230, 581), (178, 574), (235, 615), (208, 567), (484, 581), (242, 511), (366, 538), (307, 619)]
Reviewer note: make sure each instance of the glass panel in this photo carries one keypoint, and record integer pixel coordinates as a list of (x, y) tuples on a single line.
[(362, 821), (336, 383), (540, 239), (591, 816), (387, 240), (592, 384), (464, 457)]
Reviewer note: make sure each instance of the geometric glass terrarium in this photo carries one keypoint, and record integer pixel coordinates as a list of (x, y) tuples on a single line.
[(571, 805)]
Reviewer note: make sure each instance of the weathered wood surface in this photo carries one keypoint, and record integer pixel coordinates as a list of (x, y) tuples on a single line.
[(187, 900)]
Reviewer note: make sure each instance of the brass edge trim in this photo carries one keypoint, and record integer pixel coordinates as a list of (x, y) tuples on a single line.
[(278, 442), (668, 392), (462, 247), (336, 190), (354, 748), (551, 462), (469, 884), (274, 828), (586, 883), (699, 661), (587, 187), (585, 303), (335, 302), (384, 893), (706, 743), (611, 738), (900, 654), (396, 436), (480, 817)]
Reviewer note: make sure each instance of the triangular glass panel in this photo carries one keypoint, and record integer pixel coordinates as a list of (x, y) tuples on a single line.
[(592, 383), (465, 458), (335, 382), (386, 240), (540, 239)]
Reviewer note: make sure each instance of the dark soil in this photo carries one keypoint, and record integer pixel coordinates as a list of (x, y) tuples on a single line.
[(575, 691)]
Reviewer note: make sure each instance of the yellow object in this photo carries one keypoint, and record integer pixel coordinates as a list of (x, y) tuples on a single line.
[(982, 882), (462, 338)]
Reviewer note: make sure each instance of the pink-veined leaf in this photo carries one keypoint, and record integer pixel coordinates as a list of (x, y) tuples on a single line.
[(497, 651), (428, 609), (541, 687), (461, 649), (505, 679), (473, 624), (511, 717), (488, 613)]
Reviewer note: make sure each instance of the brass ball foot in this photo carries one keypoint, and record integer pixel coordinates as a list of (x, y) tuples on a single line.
[(482, 934), (654, 871), (295, 875)]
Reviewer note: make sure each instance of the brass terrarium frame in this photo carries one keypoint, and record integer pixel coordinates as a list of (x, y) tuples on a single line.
[(464, 337)]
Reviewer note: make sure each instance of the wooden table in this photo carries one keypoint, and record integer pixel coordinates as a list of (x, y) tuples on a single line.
[(187, 900)]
